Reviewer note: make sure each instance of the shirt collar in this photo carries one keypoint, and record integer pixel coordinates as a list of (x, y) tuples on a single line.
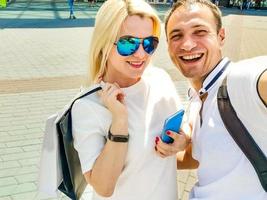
[(211, 78)]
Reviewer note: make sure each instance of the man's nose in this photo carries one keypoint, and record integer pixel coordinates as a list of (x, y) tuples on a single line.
[(188, 43)]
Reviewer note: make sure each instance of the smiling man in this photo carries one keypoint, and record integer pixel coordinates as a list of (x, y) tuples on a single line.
[(195, 39)]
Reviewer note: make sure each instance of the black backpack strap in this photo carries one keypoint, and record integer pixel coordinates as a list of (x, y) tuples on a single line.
[(241, 135)]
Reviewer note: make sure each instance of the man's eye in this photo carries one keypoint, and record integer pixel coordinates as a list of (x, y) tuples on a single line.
[(176, 37), (201, 32)]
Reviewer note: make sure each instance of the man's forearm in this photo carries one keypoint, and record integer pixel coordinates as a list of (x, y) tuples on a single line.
[(185, 159), (262, 87)]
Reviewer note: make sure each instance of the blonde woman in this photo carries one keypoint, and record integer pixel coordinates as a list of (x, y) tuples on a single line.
[(115, 130)]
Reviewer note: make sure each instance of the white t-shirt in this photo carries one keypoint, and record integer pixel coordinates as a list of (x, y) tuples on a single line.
[(224, 172), (149, 102)]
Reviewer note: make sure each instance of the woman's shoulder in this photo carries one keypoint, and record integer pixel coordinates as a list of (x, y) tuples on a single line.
[(88, 101)]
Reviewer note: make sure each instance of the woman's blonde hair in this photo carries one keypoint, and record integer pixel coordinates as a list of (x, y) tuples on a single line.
[(109, 20)]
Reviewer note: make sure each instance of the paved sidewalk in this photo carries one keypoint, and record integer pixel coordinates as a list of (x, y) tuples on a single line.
[(43, 60)]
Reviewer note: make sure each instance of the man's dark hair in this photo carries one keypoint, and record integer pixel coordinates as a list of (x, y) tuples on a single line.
[(188, 3)]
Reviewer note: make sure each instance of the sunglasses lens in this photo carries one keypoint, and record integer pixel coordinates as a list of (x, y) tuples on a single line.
[(128, 45), (150, 44)]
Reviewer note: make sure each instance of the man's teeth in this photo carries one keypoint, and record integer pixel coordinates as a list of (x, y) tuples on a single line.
[(191, 57)]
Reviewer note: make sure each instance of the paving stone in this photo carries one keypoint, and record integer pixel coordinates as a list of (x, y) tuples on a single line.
[(26, 196), (190, 182), (30, 161), (25, 120), (7, 181), (33, 125), (9, 138), (185, 196), (32, 148), (17, 189), (18, 171), (5, 198), (9, 164), (5, 121), (10, 150), (34, 136), (13, 128), (183, 175), (18, 156), (3, 134), (181, 189), (25, 131), (25, 178), (23, 143)]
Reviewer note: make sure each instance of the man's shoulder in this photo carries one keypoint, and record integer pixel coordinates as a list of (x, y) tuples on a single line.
[(248, 68), (250, 62), (242, 81)]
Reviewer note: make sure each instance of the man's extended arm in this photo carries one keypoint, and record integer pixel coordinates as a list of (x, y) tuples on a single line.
[(262, 87), (185, 159)]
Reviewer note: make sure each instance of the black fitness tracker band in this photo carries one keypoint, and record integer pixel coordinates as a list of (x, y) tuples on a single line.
[(118, 138)]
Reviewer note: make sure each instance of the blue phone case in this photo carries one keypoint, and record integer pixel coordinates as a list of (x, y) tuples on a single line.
[(172, 123)]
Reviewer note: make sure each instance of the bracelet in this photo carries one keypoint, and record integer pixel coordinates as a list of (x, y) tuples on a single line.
[(118, 138)]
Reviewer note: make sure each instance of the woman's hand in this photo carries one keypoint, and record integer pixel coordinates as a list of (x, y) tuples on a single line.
[(181, 140), (113, 98)]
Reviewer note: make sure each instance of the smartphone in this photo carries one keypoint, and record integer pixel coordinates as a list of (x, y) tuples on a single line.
[(172, 123)]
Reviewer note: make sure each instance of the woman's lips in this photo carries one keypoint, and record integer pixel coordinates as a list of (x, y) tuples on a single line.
[(136, 64)]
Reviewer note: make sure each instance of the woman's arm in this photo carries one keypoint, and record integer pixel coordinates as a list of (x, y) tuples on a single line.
[(109, 164)]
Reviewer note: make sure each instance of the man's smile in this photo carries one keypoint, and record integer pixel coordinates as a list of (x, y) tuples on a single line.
[(191, 57)]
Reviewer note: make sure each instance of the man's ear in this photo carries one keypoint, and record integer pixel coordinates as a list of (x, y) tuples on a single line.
[(221, 36)]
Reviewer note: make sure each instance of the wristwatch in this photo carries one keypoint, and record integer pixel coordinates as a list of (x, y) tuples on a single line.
[(118, 138)]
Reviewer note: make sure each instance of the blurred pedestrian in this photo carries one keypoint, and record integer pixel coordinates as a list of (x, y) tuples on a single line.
[(171, 3), (91, 2), (71, 5)]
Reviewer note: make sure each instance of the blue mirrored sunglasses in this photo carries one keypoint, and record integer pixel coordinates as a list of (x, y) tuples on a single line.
[(128, 45)]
